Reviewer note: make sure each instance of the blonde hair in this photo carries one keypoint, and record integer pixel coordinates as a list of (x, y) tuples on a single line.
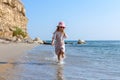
[(63, 32)]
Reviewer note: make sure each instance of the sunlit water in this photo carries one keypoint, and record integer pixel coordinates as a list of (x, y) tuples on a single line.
[(95, 60)]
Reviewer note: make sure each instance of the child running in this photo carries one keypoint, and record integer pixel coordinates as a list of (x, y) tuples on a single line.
[(58, 40)]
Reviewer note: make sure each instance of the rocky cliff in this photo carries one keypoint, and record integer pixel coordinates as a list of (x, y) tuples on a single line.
[(12, 15)]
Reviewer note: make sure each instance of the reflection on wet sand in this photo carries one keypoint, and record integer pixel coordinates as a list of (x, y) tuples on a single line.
[(4, 71), (1, 78), (7, 70), (59, 72)]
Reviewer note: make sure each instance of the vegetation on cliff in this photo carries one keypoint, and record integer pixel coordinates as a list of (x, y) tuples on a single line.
[(12, 13), (18, 32)]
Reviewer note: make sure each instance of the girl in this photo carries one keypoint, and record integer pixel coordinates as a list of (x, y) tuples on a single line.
[(58, 38)]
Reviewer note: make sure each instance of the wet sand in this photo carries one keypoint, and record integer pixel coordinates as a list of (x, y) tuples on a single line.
[(10, 53)]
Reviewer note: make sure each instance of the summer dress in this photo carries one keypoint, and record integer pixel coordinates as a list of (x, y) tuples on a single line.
[(59, 41)]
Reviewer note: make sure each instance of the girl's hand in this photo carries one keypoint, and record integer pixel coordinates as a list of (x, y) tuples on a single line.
[(52, 43)]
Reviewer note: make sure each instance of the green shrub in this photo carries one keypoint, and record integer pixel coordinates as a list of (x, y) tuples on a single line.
[(18, 31)]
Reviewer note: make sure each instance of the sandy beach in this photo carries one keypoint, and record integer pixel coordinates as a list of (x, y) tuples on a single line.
[(9, 53)]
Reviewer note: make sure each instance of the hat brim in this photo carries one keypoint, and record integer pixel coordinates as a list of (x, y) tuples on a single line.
[(61, 26)]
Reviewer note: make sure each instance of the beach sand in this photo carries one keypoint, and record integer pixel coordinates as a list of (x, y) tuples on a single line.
[(9, 53)]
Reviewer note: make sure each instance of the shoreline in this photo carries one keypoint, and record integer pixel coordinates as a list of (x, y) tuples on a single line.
[(12, 50), (9, 53)]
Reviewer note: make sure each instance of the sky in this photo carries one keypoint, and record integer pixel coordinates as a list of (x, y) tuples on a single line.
[(84, 19)]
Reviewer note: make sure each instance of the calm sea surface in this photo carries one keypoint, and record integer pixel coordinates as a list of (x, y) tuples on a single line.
[(95, 60)]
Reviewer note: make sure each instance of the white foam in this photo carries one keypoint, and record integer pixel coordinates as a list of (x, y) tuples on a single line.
[(61, 62)]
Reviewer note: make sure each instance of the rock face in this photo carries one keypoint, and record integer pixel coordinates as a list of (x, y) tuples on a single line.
[(12, 14)]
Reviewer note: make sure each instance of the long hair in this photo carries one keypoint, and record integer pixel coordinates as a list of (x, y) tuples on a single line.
[(63, 32)]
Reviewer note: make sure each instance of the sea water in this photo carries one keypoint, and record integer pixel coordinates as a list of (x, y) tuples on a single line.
[(95, 60)]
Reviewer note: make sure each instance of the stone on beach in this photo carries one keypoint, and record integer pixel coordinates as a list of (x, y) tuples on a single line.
[(38, 40), (4, 41), (81, 41)]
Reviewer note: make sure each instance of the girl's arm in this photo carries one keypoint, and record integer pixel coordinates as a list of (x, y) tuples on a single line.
[(52, 43), (65, 35), (53, 39)]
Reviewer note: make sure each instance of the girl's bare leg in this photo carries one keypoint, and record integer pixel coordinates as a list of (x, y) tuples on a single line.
[(63, 55), (60, 56)]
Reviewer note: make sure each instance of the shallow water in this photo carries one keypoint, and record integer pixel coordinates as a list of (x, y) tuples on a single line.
[(96, 60)]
